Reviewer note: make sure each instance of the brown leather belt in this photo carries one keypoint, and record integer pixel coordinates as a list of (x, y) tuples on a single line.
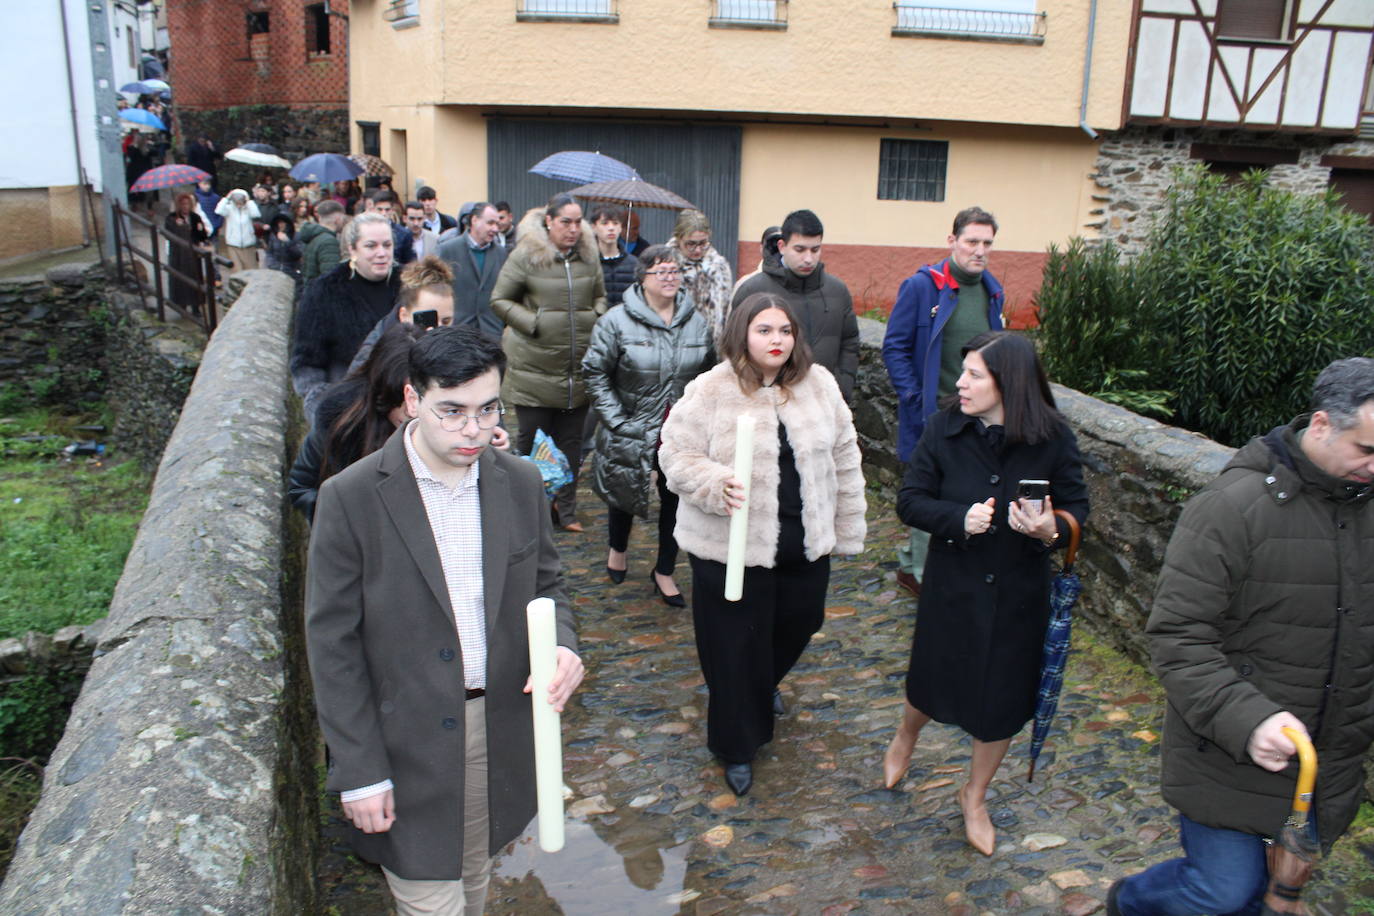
[(475, 692)]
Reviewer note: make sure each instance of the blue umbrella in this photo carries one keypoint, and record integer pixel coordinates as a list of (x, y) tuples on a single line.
[(1064, 592), (583, 167), (140, 88), (325, 168), (142, 116)]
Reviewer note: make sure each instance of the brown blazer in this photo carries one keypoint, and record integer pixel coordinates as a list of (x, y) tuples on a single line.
[(387, 665)]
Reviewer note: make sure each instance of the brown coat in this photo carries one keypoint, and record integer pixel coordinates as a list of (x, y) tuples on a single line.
[(386, 661)]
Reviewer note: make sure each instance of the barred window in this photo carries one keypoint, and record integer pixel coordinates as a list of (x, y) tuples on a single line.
[(912, 169)]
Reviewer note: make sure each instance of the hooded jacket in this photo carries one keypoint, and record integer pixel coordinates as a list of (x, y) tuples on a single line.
[(238, 221), (635, 370), (825, 309), (1265, 604), (549, 303), (321, 250)]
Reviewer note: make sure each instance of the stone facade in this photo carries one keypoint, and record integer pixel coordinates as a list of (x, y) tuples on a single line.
[(52, 340), (296, 132), (185, 778), (1136, 166)]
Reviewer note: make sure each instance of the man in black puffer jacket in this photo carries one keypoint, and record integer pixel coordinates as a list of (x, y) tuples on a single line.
[(617, 264), (1264, 619)]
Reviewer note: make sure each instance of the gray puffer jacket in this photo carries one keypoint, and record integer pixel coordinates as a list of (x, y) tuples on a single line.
[(635, 369), (1266, 603)]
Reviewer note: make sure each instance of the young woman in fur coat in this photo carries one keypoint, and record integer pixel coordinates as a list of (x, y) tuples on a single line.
[(806, 501)]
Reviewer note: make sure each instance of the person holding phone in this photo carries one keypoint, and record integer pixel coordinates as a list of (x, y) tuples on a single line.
[(425, 300), (984, 605)]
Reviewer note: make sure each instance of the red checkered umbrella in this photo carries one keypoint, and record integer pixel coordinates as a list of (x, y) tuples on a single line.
[(168, 176)]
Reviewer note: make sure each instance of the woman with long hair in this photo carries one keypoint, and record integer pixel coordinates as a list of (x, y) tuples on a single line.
[(806, 501), (642, 355), (984, 604)]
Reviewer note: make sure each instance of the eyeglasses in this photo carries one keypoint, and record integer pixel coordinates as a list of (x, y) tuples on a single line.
[(665, 273), (697, 246), (454, 420)]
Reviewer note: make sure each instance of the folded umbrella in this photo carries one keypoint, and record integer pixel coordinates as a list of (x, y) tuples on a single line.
[(1064, 592), (1293, 855), (325, 168), (633, 192), (142, 117), (168, 176), (583, 167)]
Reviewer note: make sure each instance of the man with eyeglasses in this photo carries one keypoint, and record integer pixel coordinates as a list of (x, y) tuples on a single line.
[(423, 556)]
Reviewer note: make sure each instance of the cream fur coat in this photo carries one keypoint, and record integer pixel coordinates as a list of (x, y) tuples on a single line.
[(698, 456)]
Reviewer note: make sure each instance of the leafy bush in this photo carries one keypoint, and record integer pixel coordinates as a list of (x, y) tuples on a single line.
[(1242, 294), (33, 713)]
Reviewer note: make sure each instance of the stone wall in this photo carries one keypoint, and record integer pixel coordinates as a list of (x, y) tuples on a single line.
[(52, 338), (1135, 168), (67, 652), (296, 132), (185, 778), (1139, 472)]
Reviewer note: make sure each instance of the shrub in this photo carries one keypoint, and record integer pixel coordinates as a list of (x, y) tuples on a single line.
[(1242, 294)]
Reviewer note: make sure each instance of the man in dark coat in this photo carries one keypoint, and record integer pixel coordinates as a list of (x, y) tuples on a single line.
[(925, 334), (435, 222), (423, 557), (821, 301), (476, 259), (1264, 619)]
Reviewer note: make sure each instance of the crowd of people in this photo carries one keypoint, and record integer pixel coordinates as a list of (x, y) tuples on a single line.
[(420, 336)]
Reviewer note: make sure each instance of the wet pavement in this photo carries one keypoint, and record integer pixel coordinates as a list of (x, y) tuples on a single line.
[(652, 828)]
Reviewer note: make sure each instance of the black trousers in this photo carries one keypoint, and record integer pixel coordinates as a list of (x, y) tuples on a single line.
[(620, 523), (564, 426), (746, 647)]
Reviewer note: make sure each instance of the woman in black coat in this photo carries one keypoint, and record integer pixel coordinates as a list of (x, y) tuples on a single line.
[(980, 626)]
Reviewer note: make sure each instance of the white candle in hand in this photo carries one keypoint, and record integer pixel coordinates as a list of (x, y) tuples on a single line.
[(548, 745), (739, 520)]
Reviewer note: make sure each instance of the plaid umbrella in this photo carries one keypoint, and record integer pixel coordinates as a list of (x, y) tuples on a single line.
[(168, 176), (633, 192), (582, 167), (372, 165), (1064, 592)]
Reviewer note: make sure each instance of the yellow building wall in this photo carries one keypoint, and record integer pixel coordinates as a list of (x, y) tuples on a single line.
[(834, 58)]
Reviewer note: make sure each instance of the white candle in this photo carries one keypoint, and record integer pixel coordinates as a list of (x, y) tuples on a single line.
[(548, 745), (739, 520)]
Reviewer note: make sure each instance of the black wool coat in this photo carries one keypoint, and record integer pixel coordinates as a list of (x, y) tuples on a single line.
[(980, 626)]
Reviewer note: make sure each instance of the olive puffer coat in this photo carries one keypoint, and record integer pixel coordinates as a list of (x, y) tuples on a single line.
[(635, 369), (549, 302), (1265, 604)]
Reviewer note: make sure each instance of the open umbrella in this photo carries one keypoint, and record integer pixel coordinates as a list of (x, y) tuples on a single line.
[(142, 117), (138, 88), (372, 165), (158, 85), (1293, 854), (1064, 592), (582, 167), (259, 154), (633, 192), (325, 168), (168, 176)]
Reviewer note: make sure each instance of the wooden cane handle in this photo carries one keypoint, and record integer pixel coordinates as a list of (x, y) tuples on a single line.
[(1074, 534)]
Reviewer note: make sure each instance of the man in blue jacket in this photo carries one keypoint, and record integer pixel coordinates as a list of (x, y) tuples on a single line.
[(938, 309)]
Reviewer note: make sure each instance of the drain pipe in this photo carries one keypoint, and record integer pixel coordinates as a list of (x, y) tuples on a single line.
[(1088, 72)]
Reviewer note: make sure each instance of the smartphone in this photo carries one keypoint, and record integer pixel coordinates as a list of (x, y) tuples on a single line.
[(428, 319), (1033, 491)]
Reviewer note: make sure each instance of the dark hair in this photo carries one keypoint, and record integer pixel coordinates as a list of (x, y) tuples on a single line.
[(768, 242), (734, 344), (801, 222), (453, 356), (425, 193), (973, 216), (298, 202), (607, 211), (558, 202), (384, 195), (413, 205), (501, 206), (282, 218), (365, 423), (1343, 388), (477, 208), (655, 254), (1029, 414), (327, 208), (429, 273)]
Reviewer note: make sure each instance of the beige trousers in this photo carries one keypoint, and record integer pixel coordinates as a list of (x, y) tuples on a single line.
[(467, 897), (243, 258)]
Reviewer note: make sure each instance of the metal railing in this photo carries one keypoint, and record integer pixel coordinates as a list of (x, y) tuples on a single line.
[(564, 10), (748, 14), (944, 22), (204, 311)]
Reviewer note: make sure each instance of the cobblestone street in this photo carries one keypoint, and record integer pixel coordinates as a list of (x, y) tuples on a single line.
[(652, 828)]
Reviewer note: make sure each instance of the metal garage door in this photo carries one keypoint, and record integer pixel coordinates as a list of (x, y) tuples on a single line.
[(700, 163)]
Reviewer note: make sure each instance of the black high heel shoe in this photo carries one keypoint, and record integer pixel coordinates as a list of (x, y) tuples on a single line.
[(615, 575), (670, 600), (739, 777)]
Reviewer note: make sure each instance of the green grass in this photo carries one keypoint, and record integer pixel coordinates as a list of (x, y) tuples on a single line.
[(66, 525)]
